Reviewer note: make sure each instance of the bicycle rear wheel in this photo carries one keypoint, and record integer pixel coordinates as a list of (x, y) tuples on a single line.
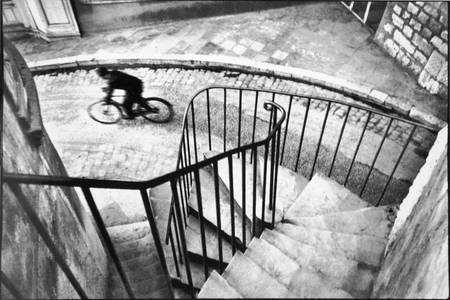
[(104, 112), (158, 110)]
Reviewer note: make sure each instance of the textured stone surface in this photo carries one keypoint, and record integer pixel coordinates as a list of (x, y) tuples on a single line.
[(416, 261), (217, 287), (26, 260), (366, 249), (251, 281), (403, 41), (323, 195), (136, 249), (426, 32), (372, 221), (357, 279)]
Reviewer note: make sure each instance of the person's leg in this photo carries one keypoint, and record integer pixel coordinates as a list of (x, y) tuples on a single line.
[(128, 105)]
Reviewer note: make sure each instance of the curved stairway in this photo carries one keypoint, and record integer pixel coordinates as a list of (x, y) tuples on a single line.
[(329, 244)]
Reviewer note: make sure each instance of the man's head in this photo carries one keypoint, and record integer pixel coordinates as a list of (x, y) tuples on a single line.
[(102, 72)]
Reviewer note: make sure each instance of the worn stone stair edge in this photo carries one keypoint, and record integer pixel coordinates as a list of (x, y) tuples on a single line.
[(221, 62), (225, 236)]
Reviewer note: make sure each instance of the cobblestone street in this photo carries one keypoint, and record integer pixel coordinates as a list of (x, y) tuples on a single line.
[(312, 36)]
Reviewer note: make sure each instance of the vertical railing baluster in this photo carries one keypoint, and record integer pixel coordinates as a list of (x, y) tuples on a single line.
[(182, 191), (174, 252), (272, 168), (264, 186), (396, 164), (156, 239), (230, 176), (188, 147), (305, 119), (182, 237), (10, 286), (40, 228), (339, 140), (286, 128), (169, 222), (194, 134), (209, 119), (320, 140), (277, 159), (177, 233), (240, 119), (243, 198), (376, 156), (224, 119), (271, 115), (254, 123), (218, 213), (357, 148), (104, 233), (202, 225), (186, 185), (255, 179)]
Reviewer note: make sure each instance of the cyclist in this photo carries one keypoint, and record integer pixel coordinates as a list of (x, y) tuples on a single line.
[(122, 81)]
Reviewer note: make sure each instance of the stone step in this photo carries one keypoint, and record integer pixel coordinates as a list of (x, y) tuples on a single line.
[(289, 184), (119, 207), (129, 232), (150, 288), (252, 281), (135, 248), (209, 207), (307, 284), (341, 272), (145, 275), (217, 287), (303, 282), (238, 191), (322, 195), (194, 241), (272, 260), (366, 249), (371, 221), (197, 270), (140, 262)]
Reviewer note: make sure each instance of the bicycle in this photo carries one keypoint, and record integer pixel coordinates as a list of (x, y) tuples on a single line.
[(154, 109)]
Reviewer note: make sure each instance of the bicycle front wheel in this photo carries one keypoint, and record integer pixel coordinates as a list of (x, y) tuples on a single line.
[(104, 112), (158, 110)]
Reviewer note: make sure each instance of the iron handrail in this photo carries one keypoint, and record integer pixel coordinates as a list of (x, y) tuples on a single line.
[(380, 110)]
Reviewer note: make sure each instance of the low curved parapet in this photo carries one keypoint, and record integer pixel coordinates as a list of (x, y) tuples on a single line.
[(360, 92)]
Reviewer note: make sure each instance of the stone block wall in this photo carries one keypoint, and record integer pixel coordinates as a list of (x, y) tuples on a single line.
[(416, 35), (416, 258), (25, 258)]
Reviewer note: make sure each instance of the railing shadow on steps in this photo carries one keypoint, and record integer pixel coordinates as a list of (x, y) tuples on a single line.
[(174, 178), (210, 126), (220, 118)]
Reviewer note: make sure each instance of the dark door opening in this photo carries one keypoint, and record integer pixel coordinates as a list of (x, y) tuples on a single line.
[(368, 12)]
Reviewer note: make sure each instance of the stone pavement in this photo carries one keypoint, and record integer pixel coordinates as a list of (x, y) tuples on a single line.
[(322, 37)]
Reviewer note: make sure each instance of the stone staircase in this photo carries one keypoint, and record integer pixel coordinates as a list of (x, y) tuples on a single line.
[(129, 230), (328, 243)]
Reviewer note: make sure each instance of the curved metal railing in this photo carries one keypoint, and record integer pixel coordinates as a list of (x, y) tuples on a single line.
[(271, 140)]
